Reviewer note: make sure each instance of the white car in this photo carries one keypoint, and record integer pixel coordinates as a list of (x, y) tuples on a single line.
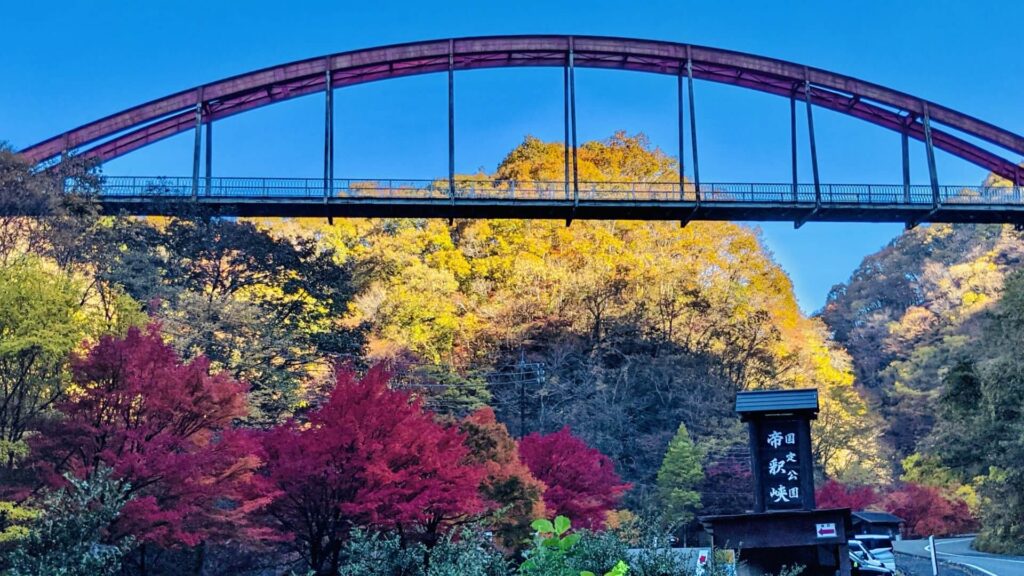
[(880, 547), (861, 554)]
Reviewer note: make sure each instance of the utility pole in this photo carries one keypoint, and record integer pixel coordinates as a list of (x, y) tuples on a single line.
[(512, 381), (522, 395)]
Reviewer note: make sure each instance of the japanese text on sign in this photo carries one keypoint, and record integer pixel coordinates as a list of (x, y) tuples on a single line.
[(780, 464)]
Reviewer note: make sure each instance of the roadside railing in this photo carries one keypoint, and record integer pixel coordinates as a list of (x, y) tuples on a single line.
[(339, 190)]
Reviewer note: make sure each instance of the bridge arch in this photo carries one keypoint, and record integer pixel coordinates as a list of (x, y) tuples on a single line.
[(139, 126)]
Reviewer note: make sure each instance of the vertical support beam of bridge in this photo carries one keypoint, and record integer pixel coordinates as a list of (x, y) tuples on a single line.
[(810, 134), (693, 122), (572, 113), (328, 133), (793, 144), (682, 148), (905, 141), (198, 143), (565, 117), (209, 156), (930, 148), (451, 120)]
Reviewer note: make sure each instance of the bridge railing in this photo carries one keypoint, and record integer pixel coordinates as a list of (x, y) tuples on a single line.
[(256, 189)]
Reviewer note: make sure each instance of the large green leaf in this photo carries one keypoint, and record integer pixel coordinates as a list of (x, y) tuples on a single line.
[(543, 525), (562, 525)]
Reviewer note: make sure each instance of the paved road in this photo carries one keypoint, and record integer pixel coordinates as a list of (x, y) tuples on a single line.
[(959, 550)]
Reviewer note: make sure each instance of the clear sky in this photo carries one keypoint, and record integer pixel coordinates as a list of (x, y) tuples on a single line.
[(68, 62)]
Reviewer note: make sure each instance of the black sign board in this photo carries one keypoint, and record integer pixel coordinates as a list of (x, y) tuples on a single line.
[(780, 447)]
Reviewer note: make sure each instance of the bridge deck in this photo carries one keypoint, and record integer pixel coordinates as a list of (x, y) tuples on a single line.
[(309, 197)]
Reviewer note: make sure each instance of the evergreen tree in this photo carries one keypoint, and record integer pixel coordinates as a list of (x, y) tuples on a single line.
[(678, 477)]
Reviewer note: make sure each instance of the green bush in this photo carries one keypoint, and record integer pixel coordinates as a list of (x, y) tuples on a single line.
[(70, 537), (457, 554), (599, 552), (658, 562), (557, 552), (468, 552), (379, 554)]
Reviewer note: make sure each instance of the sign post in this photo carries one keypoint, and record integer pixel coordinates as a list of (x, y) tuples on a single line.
[(780, 447), (785, 526)]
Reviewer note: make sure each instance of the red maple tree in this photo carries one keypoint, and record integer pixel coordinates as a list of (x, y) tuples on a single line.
[(834, 494), (370, 457), (165, 427), (928, 512), (727, 488), (513, 493), (581, 481)]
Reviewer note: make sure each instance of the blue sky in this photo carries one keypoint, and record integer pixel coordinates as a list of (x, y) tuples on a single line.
[(69, 62)]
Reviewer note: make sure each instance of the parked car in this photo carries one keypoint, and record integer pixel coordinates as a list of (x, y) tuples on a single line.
[(858, 568), (880, 547), (863, 562)]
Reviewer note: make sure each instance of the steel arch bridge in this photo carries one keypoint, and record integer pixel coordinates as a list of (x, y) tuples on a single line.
[(937, 126)]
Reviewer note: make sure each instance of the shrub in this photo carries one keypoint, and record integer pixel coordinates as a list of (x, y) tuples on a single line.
[(384, 554), (598, 551), (378, 554), (557, 552), (70, 538), (470, 552)]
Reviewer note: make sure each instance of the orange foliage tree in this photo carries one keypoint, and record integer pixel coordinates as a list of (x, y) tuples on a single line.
[(515, 495)]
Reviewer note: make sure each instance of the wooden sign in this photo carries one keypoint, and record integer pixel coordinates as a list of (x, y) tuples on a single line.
[(780, 446)]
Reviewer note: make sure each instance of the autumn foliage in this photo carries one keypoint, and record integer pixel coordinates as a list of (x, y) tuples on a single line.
[(165, 428), (511, 490), (370, 457), (927, 511), (727, 488), (833, 494), (581, 482), (621, 330)]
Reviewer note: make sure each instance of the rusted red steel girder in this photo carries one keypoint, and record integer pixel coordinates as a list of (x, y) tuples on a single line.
[(147, 123)]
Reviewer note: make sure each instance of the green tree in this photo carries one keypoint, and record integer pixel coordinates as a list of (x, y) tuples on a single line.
[(980, 434), (44, 315), (911, 310), (15, 518), (70, 537), (678, 477), (265, 308), (41, 322)]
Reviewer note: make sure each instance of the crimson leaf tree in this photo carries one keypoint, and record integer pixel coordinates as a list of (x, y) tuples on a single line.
[(370, 457), (165, 429), (581, 482)]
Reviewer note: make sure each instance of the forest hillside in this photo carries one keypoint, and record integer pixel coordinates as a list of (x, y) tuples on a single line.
[(184, 385), (932, 323), (620, 330)]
